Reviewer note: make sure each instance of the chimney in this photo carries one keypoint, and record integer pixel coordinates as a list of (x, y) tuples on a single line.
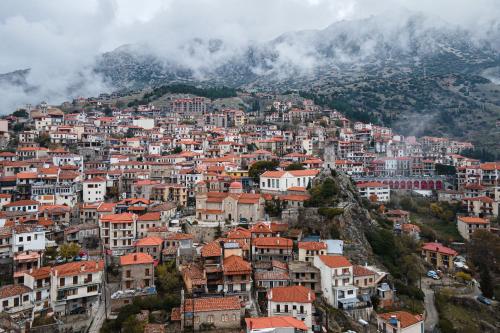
[(97, 264), (308, 295), (135, 257), (270, 294), (82, 267)]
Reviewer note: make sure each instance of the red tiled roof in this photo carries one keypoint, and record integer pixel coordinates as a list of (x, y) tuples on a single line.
[(234, 265), (335, 261), (473, 219), (211, 249), (406, 319), (149, 241), (79, 267), (13, 290), (277, 242), (150, 216), (275, 322), (361, 271), (136, 259), (239, 233), (440, 248), (314, 246), (212, 304), (299, 294)]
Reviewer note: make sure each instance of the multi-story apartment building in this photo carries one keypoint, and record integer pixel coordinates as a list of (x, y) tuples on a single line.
[(76, 285), (375, 191), (307, 250), (94, 190), (293, 301), (467, 225), (337, 280), (16, 301), (439, 255), (137, 271), (272, 248), (38, 280), (237, 277), (118, 232), (305, 274)]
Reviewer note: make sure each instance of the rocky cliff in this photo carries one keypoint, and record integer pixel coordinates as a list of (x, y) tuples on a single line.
[(345, 217)]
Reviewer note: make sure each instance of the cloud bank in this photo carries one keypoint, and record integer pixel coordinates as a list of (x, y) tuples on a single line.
[(59, 40)]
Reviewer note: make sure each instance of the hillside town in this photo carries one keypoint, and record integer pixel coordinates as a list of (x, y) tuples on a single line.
[(189, 216)]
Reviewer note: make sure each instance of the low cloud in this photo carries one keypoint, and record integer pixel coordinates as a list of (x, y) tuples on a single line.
[(60, 40)]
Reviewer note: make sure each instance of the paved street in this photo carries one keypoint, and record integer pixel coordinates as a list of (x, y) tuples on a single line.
[(432, 316), (99, 315)]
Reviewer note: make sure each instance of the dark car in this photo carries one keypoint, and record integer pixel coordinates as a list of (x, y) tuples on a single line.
[(484, 300)]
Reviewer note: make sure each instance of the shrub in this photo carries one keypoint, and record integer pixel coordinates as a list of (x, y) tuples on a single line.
[(330, 213)]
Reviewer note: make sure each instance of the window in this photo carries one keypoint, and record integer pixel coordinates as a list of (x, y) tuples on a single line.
[(20, 238), (147, 272), (5, 304), (210, 318), (28, 238), (243, 287), (16, 301), (89, 278), (128, 284), (26, 298), (91, 289), (75, 279), (278, 308), (61, 282)]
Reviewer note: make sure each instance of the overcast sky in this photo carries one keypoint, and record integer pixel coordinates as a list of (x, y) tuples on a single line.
[(57, 38)]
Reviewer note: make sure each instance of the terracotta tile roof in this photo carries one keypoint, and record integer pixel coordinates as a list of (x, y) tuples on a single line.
[(208, 304), (276, 242), (261, 227), (118, 218), (21, 203), (302, 173), (275, 322), (195, 274), (361, 271), (150, 216), (406, 319), (211, 249), (372, 184), (239, 233), (299, 294), (40, 273), (179, 236), (136, 259), (271, 275), (440, 248), (473, 219), (335, 261), (234, 265), (79, 267), (149, 241), (314, 246), (13, 290), (106, 207)]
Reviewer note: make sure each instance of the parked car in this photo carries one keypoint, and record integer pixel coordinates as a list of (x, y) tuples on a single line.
[(434, 275), (484, 300)]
